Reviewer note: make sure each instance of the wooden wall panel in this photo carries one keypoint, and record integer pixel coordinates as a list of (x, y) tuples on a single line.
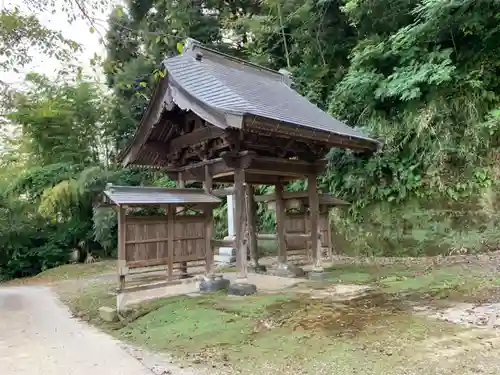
[(297, 222), (147, 240)]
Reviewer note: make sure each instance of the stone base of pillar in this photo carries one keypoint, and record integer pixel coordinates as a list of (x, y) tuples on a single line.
[(213, 283), (257, 268), (241, 288), (286, 270), (317, 275)]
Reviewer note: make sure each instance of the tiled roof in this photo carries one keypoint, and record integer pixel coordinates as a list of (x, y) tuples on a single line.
[(137, 195), (233, 86)]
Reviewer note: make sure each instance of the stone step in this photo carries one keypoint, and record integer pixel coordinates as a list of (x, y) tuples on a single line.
[(227, 251), (224, 259)]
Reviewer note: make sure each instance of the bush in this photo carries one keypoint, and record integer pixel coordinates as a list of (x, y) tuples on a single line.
[(29, 244)]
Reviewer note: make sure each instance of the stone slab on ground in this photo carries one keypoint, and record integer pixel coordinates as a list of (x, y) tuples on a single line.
[(264, 283), (467, 314), (341, 292), (317, 275), (185, 287)]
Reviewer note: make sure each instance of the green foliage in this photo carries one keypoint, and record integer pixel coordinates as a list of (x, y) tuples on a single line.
[(29, 244), (21, 33), (60, 121), (420, 75)]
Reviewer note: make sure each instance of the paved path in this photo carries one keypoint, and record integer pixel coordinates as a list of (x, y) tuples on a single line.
[(38, 337)]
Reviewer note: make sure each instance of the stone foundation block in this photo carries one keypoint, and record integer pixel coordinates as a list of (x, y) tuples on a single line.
[(242, 289), (108, 314)]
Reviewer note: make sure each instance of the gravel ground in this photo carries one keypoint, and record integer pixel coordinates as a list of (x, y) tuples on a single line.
[(39, 337)]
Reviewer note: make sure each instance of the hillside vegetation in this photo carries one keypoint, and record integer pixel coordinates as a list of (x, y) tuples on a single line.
[(423, 76)]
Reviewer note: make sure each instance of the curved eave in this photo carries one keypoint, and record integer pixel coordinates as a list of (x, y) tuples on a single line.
[(148, 120)]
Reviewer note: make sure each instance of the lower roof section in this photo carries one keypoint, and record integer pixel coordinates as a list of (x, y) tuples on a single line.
[(154, 196)]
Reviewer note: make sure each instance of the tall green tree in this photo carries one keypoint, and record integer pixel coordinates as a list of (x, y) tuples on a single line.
[(61, 122)]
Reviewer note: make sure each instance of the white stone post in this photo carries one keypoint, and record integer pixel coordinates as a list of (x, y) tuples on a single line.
[(230, 217), (227, 255)]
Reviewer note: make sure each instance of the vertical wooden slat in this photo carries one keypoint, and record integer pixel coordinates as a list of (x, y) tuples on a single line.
[(251, 223), (314, 218), (280, 222), (209, 258), (239, 197), (170, 235), (122, 243)]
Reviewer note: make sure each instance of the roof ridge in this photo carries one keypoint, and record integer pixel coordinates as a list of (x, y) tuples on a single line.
[(193, 43)]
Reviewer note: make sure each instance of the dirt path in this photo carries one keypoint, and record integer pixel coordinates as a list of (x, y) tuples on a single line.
[(38, 336)]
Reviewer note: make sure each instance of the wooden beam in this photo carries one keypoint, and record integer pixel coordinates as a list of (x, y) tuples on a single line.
[(280, 222), (194, 137), (267, 168), (300, 133), (314, 220), (223, 192), (241, 160), (286, 167), (256, 179)]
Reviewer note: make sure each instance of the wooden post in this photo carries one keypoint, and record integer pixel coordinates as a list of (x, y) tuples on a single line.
[(251, 224), (329, 238), (239, 197), (280, 223), (209, 258), (313, 220), (170, 235), (183, 268), (122, 256)]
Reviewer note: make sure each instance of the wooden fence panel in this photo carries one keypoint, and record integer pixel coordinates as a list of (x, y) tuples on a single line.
[(147, 242), (189, 238), (298, 222)]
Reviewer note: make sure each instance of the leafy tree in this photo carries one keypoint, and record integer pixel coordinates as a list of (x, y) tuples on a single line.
[(61, 122)]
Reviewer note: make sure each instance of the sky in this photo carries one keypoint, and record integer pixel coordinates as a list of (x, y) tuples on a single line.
[(78, 30)]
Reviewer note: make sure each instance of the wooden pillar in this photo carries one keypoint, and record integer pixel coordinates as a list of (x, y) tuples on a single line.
[(280, 222), (122, 247), (122, 257), (239, 197), (329, 237), (314, 220), (251, 224), (209, 257), (183, 268), (170, 236)]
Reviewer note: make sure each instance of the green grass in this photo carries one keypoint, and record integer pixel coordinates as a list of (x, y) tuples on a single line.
[(417, 280), (73, 271), (304, 336), (218, 330), (69, 272)]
